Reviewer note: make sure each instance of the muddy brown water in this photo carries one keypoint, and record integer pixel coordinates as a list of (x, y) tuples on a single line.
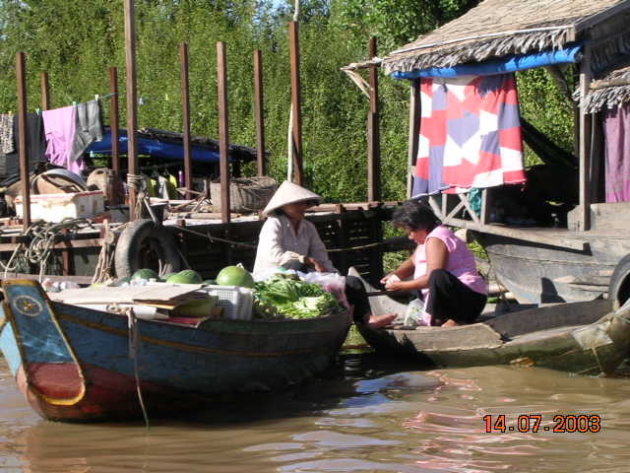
[(382, 421)]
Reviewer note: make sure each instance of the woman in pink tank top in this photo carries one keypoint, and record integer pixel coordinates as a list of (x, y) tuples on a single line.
[(442, 269)]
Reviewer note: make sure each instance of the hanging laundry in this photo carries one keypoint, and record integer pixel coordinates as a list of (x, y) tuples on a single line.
[(7, 144), (88, 127), (60, 131), (470, 134), (617, 171), (35, 146), (172, 186)]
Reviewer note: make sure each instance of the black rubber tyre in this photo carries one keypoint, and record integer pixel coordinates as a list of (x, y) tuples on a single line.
[(143, 244), (619, 288)]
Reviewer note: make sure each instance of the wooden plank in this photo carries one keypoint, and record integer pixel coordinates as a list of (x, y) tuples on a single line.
[(373, 131), (584, 143), (20, 75), (114, 126), (224, 166), (132, 104), (414, 131), (296, 103), (551, 238), (261, 165), (185, 91), (45, 85)]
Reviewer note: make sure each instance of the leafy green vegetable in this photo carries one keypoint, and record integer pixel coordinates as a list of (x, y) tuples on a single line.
[(279, 297)]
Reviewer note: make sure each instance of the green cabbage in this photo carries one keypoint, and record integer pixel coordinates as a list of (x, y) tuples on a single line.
[(280, 297)]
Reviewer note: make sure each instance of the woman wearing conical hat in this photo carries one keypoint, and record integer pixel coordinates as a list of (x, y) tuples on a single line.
[(287, 239), (290, 241)]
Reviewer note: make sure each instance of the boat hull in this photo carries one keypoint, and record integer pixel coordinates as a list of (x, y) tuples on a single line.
[(541, 273), (77, 364), (582, 338)]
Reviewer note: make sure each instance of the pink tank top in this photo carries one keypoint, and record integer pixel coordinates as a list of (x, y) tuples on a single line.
[(461, 262)]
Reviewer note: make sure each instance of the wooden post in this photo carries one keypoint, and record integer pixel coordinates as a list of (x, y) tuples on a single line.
[(585, 137), (374, 151), (223, 131), (296, 135), (114, 122), (414, 130), (132, 105), (183, 58), (260, 114), (20, 74), (45, 91)]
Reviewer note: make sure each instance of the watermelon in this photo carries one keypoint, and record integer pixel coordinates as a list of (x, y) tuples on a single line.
[(121, 281), (187, 276), (235, 276), (145, 273), (209, 282)]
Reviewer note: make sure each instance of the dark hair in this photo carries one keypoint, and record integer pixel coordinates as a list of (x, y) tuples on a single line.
[(415, 215)]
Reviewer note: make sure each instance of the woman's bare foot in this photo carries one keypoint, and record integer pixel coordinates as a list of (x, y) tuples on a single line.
[(377, 321), (450, 323)]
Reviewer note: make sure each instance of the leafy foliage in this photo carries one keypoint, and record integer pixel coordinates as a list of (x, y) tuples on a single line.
[(87, 37)]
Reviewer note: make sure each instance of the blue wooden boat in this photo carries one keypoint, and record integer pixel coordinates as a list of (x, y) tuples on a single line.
[(79, 364)]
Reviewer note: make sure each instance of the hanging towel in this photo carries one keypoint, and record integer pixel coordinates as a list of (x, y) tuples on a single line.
[(88, 127), (35, 146), (60, 130), (7, 144), (617, 126), (470, 134)]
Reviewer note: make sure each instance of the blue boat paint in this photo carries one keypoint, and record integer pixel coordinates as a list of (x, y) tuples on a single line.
[(181, 362), (10, 348)]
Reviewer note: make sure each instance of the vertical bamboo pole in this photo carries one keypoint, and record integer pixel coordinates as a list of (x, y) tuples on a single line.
[(183, 58), (20, 74), (132, 104), (585, 136), (223, 131), (296, 135), (114, 121), (45, 91), (414, 129), (374, 151), (260, 114)]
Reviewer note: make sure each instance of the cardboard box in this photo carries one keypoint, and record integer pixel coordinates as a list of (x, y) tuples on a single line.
[(56, 207)]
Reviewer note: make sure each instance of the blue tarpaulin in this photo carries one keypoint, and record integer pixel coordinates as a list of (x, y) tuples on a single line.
[(153, 147), (497, 66)]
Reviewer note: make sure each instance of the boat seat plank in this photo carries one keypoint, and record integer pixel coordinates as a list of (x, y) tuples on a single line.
[(429, 339)]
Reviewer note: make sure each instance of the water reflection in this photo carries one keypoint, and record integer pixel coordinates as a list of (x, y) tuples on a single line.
[(398, 422)]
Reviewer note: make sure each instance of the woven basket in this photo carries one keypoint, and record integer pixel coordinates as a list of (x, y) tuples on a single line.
[(247, 194)]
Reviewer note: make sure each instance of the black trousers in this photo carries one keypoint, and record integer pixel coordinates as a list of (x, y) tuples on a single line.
[(449, 298)]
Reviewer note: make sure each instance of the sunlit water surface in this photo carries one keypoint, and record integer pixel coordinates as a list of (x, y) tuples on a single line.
[(407, 422)]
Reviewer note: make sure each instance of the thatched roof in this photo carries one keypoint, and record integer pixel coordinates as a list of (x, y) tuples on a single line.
[(497, 28), (609, 90)]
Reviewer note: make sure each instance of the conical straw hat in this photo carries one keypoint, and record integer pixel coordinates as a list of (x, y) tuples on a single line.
[(289, 193)]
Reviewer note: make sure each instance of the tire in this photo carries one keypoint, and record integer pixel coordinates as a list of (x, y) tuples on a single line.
[(143, 244), (619, 288)]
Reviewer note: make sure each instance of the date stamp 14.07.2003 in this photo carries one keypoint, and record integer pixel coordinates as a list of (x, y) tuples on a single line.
[(534, 423)]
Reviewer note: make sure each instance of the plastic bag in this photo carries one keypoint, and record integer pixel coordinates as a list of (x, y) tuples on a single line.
[(330, 282), (414, 315)]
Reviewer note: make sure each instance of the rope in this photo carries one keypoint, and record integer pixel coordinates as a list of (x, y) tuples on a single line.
[(42, 236), (133, 352), (247, 245), (135, 181)]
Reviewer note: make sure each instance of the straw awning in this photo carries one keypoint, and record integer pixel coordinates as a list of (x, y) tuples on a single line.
[(497, 28), (610, 90)]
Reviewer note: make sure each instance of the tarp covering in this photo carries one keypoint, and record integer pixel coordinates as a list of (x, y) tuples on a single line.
[(470, 134), (154, 148), (498, 66)]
